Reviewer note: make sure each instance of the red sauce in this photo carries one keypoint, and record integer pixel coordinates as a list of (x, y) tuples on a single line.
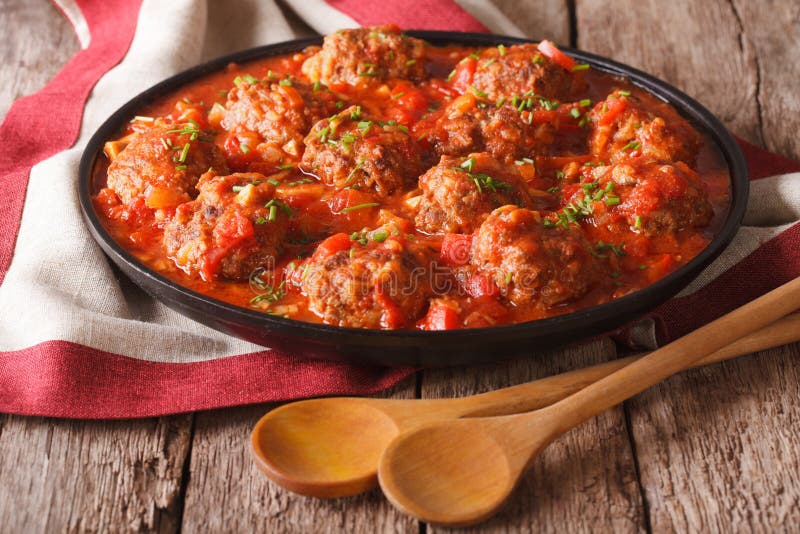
[(565, 181)]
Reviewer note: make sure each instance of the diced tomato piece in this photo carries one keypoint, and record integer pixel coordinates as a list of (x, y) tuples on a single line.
[(464, 72), (440, 317), (294, 273), (455, 249), (551, 50), (479, 285), (332, 245), (232, 230), (410, 99), (392, 316), (614, 106), (240, 155)]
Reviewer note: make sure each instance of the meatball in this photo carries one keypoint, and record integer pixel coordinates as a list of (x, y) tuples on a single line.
[(531, 263), (162, 164), (367, 55), (351, 149), (621, 128), (653, 197), (378, 285), (234, 227), (505, 72), (280, 113), (458, 193), (472, 125)]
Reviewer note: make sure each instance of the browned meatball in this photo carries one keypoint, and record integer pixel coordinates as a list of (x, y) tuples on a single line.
[(531, 263), (351, 149), (162, 164), (653, 197), (473, 125), (621, 128), (459, 193), (379, 285), (515, 70), (234, 227), (281, 113), (365, 55)]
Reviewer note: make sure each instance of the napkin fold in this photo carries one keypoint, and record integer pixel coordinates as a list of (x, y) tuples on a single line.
[(76, 340)]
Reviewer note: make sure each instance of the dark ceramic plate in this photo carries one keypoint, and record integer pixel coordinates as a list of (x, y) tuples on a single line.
[(402, 347)]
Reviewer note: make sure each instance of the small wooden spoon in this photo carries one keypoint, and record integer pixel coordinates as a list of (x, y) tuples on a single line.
[(330, 447), (460, 471)]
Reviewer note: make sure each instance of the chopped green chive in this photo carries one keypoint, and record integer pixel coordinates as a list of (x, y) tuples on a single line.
[(244, 148), (477, 92), (360, 206), (184, 153), (250, 79), (633, 145), (273, 182), (638, 222), (317, 85), (261, 220), (286, 83), (467, 164), (582, 66), (575, 113), (379, 237), (624, 92), (500, 102), (273, 213), (352, 174), (501, 49), (585, 103), (410, 62)]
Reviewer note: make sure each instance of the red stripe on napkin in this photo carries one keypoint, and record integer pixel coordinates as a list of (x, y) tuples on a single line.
[(762, 163), (62, 379), (411, 15), (47, 122)]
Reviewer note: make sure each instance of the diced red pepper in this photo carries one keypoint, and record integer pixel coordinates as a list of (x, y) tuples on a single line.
[(550, 50), (479, 285), (455, 249), (464, 72), (440, 317), (392, 316), (614, 106), (332, 245)]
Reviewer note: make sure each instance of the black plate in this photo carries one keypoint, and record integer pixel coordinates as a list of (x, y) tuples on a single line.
[(404, 347)]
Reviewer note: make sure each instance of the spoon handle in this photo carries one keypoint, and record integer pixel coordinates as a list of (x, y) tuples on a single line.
[(546, 391), (677, 356)]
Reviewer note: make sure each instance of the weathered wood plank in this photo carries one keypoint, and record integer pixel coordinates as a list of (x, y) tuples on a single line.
[(78, 476), (772, 30), (227, 493), (585, 481), (539, 19), (35, 42), (717, 447), (696, 46)]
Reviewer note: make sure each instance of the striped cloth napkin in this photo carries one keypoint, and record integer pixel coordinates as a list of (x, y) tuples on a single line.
[(78, 341)]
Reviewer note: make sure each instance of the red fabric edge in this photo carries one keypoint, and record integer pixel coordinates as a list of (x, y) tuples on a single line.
[(64, 379), (27, 135), (428, 15)]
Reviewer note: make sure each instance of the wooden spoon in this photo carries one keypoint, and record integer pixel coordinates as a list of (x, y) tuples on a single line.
[(330, 447), (460, 471)]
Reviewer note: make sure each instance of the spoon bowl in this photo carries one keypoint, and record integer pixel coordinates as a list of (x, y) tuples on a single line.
[(448, 495), (323, 448)]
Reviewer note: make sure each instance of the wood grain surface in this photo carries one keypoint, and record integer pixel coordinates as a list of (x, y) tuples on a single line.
[(715, 449)]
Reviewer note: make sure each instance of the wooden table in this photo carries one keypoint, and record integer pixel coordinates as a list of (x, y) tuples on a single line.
[(716, 449)]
